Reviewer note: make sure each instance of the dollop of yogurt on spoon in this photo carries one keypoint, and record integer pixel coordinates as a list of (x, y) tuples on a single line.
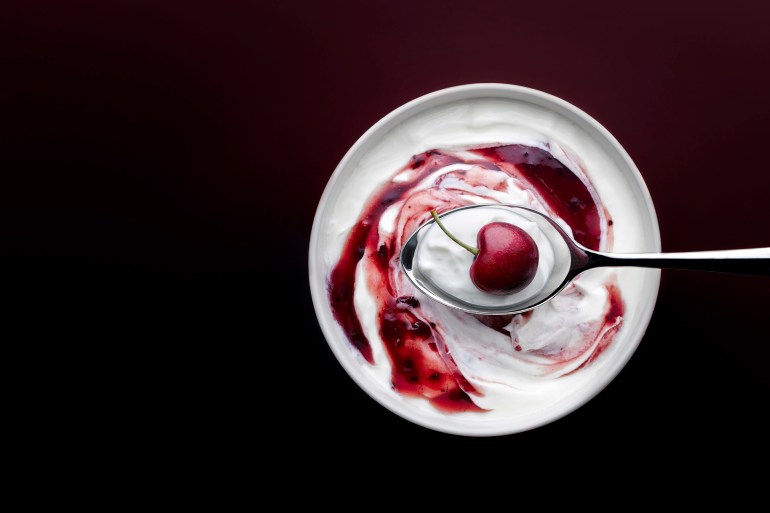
[(446, 264)]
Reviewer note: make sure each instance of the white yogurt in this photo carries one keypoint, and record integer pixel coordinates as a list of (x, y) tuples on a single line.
[(446, 264)]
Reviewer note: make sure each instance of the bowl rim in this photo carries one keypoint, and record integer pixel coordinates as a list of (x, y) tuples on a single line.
[(330, 329)]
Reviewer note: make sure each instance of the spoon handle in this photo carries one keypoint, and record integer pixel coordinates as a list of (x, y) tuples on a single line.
[(739, 261)]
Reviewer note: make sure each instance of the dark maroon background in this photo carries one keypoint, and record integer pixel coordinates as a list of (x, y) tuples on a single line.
[(161, 165)]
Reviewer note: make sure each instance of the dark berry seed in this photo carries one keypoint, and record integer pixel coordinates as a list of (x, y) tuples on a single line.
[(408, 300)]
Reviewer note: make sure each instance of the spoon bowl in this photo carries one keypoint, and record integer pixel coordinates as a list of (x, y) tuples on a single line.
[(572, 258)]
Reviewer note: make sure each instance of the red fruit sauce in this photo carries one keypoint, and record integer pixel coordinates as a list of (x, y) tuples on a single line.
[(421, 365)]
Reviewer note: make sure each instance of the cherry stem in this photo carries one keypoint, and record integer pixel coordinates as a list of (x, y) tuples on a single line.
[(473, 250)]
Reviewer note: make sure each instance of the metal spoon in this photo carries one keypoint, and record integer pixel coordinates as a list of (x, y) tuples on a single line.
[(571, 259)]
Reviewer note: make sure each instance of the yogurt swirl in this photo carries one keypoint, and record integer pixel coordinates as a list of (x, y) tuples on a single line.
[(457, 361)]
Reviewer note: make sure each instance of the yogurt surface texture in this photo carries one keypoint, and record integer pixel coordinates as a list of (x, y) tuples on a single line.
[(444, 263), (442, 360)]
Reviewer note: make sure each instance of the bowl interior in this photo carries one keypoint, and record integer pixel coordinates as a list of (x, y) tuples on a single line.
[(442, 115)]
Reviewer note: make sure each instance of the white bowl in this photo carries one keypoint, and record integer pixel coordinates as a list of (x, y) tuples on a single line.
[(620, 187)]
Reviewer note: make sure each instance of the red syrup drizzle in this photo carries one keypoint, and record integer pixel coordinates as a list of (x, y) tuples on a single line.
[(421, 365), (555, 183), (414, 346)]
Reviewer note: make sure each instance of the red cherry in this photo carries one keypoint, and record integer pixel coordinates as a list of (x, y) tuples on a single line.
[(507, 259)]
